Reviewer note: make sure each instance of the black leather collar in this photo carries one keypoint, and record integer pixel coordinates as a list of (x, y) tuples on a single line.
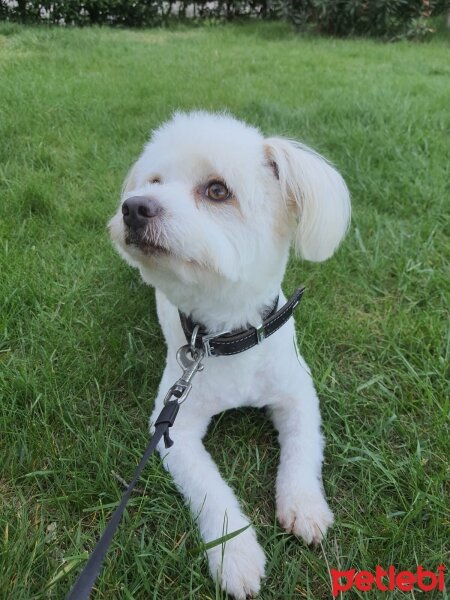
[(227, 343)]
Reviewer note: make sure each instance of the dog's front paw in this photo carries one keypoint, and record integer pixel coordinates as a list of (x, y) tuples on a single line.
[(304, 513), (239, 565)]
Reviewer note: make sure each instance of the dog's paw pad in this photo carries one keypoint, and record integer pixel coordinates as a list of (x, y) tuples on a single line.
[(239, 566), (307, 515)]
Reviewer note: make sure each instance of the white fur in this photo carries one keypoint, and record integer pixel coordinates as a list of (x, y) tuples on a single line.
[(225, 265), (320, 194)]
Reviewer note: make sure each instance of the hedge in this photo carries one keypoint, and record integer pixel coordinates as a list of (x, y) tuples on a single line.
[(384, 18)]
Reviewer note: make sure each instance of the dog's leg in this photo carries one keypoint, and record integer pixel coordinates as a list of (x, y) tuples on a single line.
[(239, 563), (301, 505)]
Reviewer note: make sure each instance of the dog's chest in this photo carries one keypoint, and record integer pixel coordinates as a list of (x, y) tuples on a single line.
[(250, 378), (232, 383)]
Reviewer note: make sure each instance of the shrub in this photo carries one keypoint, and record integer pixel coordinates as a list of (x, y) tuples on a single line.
[(385, 18), (85, 12)]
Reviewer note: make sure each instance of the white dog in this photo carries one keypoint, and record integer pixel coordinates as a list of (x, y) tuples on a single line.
[(208, 213)]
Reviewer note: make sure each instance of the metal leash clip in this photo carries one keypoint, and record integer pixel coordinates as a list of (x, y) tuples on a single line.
[(190, 360)]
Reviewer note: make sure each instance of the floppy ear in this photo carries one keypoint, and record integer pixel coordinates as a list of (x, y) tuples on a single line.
[(317, 193)]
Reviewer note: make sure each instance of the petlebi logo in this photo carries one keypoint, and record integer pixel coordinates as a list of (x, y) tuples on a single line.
[(387, 580)]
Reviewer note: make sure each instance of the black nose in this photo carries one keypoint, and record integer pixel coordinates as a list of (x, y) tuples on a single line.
[(138, 210)]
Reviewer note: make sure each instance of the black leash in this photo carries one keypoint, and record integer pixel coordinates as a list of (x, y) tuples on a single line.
[(88, 576)]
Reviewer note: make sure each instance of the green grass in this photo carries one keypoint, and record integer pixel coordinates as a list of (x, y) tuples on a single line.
[(81, 352)]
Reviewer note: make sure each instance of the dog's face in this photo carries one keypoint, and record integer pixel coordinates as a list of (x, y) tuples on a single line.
[(211, 200)]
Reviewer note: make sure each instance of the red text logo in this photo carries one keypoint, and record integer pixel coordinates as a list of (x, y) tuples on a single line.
[(387, 580)]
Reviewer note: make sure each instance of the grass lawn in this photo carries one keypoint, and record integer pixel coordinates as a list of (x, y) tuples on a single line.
[(81, 352)]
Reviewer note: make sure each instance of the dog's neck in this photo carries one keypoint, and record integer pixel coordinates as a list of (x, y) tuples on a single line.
[(217, 303), (223, 309), (218, 312), (189, 323)]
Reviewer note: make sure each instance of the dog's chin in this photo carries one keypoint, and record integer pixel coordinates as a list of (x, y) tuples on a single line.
[(141, 243)]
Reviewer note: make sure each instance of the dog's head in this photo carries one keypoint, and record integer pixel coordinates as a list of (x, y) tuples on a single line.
[(212, 202)]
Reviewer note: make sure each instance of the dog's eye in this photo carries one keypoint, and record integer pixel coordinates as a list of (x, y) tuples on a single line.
[(217, 191), (155, 179)]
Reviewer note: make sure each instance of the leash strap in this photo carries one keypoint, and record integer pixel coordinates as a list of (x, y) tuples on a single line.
[(234, 342), (83, 585)]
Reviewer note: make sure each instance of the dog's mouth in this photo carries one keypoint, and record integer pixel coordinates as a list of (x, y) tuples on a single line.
[(145, 242)]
